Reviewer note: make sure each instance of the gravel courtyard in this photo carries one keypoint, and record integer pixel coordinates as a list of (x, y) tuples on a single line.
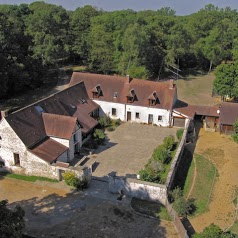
[(129, 148)]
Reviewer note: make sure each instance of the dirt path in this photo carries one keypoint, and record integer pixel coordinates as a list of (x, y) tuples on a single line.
[(223, 152), (52, 212)]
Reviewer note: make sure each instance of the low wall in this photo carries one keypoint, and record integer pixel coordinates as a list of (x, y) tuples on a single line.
[(139, 189), (175, 163)]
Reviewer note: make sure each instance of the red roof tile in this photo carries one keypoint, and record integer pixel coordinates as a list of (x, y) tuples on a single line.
[(142, 88)]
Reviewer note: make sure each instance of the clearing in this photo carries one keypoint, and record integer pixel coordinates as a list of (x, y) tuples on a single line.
[(222, 151), (197, 89)]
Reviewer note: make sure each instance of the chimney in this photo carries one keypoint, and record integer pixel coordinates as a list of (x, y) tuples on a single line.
[(171, 84), (128, 78), (3, 114)]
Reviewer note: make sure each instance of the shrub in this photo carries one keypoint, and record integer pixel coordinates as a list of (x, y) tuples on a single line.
[(179, 133), (99, 136), (161, 154), (168, 142), (149, 174), (235, 135), (176, 193), (110, 128), (182, 206), (104, 121), (71, 179)]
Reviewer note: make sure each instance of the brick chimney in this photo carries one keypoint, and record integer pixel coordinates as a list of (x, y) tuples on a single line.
[(171, 84), (128, 79)]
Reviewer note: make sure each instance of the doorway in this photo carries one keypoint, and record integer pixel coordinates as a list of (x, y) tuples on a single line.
[(128, 116), (150, 119)]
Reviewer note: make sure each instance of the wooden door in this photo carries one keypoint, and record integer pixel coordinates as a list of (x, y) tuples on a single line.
[(150, 119), (128, 116)]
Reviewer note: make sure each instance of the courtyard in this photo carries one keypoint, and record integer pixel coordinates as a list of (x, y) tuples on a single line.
[(128, 149)]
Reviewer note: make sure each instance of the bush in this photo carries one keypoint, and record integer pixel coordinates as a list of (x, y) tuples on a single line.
[(161, 154), (99, 136), (104, 121), (149, 175), (168, 142), (183, 207), (235, 135), (179, 133), (110, 128), (72, 180)]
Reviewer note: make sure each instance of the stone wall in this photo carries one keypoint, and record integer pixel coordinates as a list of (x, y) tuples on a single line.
[(139, 189), (187, 136)]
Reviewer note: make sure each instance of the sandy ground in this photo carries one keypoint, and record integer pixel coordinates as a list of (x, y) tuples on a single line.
[(224, 155), (129, 148), (52, 212)]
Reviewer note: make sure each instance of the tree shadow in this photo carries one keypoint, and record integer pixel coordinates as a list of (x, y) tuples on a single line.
[(85, 214)]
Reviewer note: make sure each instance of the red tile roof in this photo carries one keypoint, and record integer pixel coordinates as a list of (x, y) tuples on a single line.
[(48, 150), (112, 84), (58, 125), (192, 110), (228, 113)]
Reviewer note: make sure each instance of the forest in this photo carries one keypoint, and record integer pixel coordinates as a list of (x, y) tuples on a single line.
[(39, 37)]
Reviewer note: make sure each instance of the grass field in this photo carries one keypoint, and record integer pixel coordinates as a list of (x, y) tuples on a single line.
[(234, 228), (197, 89), (203, 184), (148, 208), (27, 178)]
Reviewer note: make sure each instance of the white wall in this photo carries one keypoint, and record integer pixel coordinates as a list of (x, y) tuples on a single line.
[(10, 143), (122, 109), (144, 114), (106, 109)]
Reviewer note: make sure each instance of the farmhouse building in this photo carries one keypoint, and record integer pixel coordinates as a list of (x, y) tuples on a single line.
[(43, 138), (130, 99)]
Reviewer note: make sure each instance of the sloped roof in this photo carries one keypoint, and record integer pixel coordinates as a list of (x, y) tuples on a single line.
[(228, 113), (58, 125), (192, 110), (48, 150), (142, 88), (28, 122)]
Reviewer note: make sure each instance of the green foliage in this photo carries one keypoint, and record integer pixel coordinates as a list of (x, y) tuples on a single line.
[(181, 205), (105, 121), (214, 231), (11, 221), (71, 179), (99, 134), (179, 134), (157, 167), (226, 81), (235, 135), (168, 142)]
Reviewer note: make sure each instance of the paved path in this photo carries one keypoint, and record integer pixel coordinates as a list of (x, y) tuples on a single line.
[(129, 148)]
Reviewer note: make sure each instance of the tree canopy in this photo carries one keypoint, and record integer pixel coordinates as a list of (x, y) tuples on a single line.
[(11, 221), (144, 44)]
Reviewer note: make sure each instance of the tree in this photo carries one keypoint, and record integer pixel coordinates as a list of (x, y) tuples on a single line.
[(11, 221), (214, 231), (80, 22), (235, 135), (48, 26), (226, 80)]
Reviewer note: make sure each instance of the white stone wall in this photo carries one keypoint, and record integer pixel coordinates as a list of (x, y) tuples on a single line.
[(106, 109), (10, 143), (122, 109), (144, 115)]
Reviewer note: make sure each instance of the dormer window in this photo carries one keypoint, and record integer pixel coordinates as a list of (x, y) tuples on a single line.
[(131, 96), (153, 99), (97, 91)]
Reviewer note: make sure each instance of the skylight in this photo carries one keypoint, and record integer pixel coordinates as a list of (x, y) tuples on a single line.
[(39, 109)]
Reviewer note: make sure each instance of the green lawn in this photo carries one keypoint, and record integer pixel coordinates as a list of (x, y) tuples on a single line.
[(189, 179), (27, 178), (149, 208), (201, 192), (234, 228)]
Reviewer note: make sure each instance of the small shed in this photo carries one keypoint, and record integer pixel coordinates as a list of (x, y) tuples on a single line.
[(228, 116)]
